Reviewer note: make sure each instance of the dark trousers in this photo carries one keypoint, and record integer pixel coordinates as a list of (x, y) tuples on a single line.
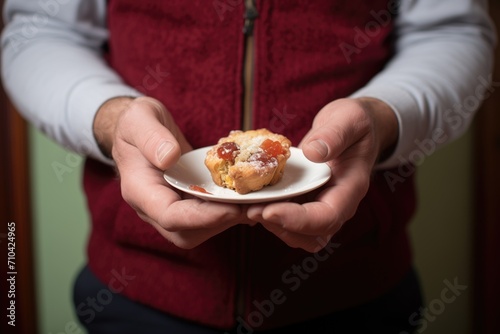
[(395, 312)]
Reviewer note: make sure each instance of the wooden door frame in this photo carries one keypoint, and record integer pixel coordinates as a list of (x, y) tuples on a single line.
[(16, 212), (15, 205), (487, 204), (15, 208)]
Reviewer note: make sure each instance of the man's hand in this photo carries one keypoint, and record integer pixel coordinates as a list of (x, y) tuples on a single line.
[(350, 135), (143, 139)]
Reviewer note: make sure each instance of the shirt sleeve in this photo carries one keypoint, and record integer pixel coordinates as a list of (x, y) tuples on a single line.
[(439, 75), (54, 71)]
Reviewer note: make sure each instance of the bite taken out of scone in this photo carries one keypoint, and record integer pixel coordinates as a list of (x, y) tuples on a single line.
[(247, 161)]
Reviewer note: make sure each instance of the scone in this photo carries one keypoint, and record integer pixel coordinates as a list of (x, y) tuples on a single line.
[(248, 161)]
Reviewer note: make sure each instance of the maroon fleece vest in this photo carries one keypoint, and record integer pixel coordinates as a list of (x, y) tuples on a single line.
[(190, 55)]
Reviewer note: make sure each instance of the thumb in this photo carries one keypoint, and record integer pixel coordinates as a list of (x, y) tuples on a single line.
[(149, 127), (336, 127)]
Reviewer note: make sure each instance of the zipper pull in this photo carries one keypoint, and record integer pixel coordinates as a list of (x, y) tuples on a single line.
[(250, 15)]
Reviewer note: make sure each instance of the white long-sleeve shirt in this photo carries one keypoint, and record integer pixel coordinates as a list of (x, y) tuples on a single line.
[(53, 70)]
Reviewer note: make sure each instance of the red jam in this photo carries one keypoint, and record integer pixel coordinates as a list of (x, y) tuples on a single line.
[(227, 151), (271, 147), (199, 189)]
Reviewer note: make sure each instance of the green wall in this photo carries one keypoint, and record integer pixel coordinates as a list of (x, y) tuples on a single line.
[(441, 233), (61, 227)]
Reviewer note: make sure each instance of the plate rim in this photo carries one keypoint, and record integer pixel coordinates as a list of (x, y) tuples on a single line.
[(245, 199)]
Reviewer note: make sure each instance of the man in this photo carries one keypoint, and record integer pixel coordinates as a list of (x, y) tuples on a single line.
[(133, 85)]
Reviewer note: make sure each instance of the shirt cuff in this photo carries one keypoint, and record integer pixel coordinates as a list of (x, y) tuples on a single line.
[(406, 110), (84, 101)]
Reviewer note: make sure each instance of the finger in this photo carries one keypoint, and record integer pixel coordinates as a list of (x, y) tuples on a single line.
[(197, 213), (332, 208), (148, 126), (337, 126), (309, 219), (187, 236), (144, 188), (150, 195), (308, 243), (188, 239), (186, 225)]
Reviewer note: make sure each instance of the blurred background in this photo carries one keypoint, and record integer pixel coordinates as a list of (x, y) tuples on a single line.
[(453, 231)]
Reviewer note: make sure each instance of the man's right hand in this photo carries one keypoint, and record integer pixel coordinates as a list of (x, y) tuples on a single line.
[(143, 139)]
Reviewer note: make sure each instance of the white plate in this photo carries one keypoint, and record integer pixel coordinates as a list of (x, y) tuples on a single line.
[(300, 176)]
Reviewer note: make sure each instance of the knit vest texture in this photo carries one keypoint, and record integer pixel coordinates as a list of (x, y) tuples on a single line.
[(190, 56)]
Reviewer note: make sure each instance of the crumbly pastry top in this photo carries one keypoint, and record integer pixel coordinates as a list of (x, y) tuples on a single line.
[(248, 160), (250, 145)]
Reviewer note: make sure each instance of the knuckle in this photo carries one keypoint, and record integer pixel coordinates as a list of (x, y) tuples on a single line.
[(182, 242), (127, 192), (152, 140)]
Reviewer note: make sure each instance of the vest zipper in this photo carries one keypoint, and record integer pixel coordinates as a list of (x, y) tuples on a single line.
[(250, 15)]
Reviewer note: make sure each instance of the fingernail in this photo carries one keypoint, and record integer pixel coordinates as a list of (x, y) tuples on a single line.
[(163, 150), (320, 147)]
